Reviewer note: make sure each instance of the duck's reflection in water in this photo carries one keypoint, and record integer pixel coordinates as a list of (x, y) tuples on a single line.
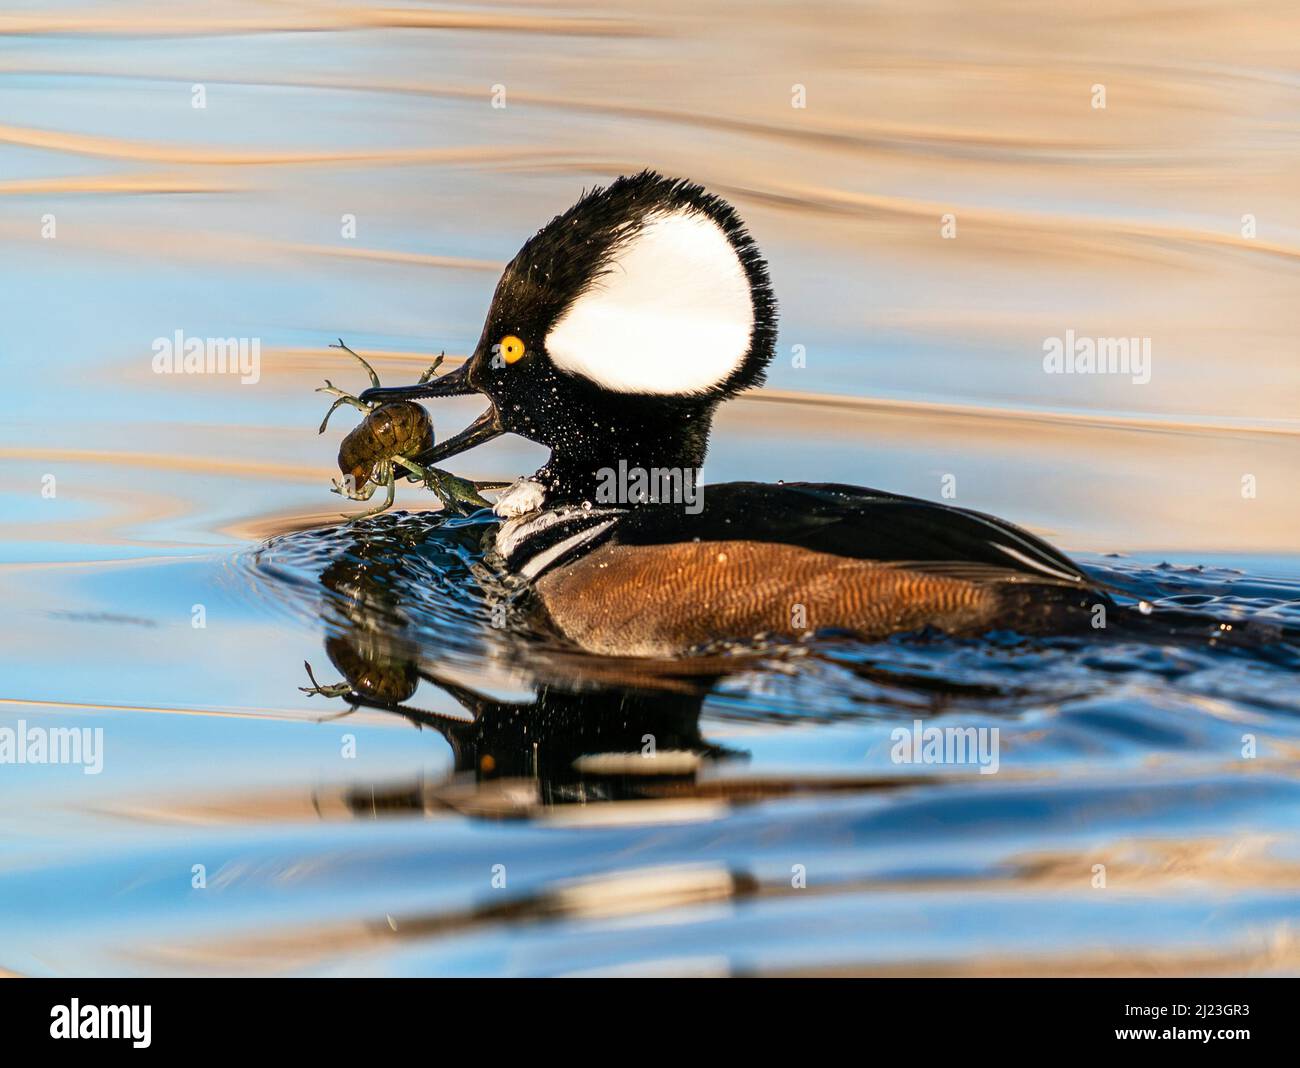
[(604, 734)]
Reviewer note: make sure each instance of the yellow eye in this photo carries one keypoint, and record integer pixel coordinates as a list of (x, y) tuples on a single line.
[(512, 349)]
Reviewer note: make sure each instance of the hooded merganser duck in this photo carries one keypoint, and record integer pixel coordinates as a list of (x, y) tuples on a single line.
[(612, 337)]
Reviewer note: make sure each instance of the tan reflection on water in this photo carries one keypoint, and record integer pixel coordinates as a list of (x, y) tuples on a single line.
[(673, 894), (241, 18)]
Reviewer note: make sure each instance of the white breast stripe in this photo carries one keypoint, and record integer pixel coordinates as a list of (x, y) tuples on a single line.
[(513, 532), (541, 560), (672, 315)]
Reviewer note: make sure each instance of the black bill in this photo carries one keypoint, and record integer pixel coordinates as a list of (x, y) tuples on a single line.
[(486, 427), (452, 384)]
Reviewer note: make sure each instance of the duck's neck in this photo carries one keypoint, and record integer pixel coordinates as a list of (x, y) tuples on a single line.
[(643, 462)]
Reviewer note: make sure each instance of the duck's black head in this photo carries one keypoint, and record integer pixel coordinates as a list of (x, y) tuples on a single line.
[(616, 330)]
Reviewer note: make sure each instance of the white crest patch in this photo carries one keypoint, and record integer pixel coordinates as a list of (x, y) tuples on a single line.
[(672, 314)]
